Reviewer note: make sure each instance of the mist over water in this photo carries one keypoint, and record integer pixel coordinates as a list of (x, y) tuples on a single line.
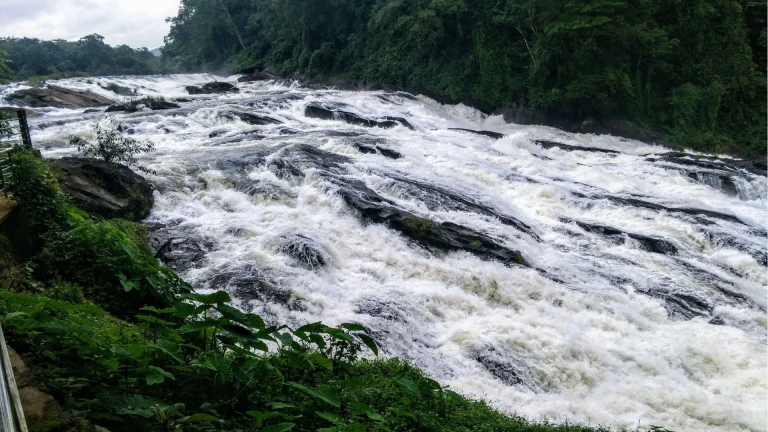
[(643, 301)]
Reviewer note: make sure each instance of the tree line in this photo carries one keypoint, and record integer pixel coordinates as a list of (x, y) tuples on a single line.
[(694, 70), (34, 58)]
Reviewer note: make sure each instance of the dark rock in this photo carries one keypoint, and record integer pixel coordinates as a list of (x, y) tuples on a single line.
[(392, 154), (116, 108), (720, 182), (57, 97), (366, 149), (92, 110), (566, 147), (718, 321), (212, 88), (494, 135), (155, 104), (589, 125), (756, 167), (307, 252), (651, 244), (400, 120), (255, 76), (437, 198), (182, 100), (249, 283), (180, 254), (684, 306), (328, 112), (252, 119), (369, 149), (441, 236), (634, 202), (13, 111), (107, 190)]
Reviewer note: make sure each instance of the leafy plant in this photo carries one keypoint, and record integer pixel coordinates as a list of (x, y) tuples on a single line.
[(112, 147)]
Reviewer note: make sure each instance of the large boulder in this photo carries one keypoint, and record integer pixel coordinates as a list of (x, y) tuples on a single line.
[(104, 189), (57, 97), (328, 112)]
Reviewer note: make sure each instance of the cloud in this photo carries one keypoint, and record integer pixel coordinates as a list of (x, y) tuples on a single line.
[(138, 23)]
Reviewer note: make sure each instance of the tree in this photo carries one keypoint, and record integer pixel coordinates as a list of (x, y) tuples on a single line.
[(112, 147)]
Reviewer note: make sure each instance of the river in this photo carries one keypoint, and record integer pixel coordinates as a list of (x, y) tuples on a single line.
[(558, 276)]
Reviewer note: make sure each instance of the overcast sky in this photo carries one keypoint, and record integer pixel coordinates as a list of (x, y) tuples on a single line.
[(138, 23)]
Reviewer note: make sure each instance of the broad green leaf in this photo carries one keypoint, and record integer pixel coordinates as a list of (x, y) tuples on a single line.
[(279, 405), (322, 361), (155, 378), (410, 386), (353, 327), (197, 418), (324, 393), (162, 372), (169, 348), (370, 343), (281, 427), (219, 297), (333, 418)]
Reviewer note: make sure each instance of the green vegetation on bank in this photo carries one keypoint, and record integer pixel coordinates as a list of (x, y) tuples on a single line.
[(694, 70), (123, 344), (90, 56)]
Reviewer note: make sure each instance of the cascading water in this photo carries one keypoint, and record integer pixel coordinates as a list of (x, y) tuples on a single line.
[(558, 276)]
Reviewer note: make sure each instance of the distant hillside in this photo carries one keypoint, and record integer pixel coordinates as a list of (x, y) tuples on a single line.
[(157, 52), (89, 56)]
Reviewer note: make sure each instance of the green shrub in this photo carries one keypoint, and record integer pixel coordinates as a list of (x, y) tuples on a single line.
[(36, 191), (112, 147)]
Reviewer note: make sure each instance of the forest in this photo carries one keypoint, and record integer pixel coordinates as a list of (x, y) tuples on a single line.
[(692, 70), (34, 58)]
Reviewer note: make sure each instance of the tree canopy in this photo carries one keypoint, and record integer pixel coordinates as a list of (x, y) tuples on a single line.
[(694, 70), (88, 56)]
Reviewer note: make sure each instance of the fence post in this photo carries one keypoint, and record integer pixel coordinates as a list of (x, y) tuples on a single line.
[(24, 128)]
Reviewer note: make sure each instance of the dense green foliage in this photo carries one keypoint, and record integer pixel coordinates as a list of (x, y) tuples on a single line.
[(694, 70), (191, 361), (30, 58)]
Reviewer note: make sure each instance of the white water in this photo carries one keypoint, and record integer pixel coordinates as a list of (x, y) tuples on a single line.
[(593, 348)]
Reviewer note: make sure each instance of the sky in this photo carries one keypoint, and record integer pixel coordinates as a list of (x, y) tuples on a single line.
[(137, 23)]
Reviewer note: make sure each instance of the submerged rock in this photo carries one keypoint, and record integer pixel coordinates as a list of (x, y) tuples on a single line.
[(370, 149), (212, 88), (655, 245), (446, 236), (57, 97), (489, 134), (566, 147), (328, 112), (305, 251), (252, 119), (255, 76), (107, 190)]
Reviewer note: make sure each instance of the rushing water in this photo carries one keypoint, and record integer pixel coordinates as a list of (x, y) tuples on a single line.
[(642, 300)]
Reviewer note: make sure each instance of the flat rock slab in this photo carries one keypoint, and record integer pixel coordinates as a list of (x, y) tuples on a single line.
[(57, 97)]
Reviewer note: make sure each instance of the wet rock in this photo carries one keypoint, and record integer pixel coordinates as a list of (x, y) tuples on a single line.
[(179, 249), (116, 108), (182, 100), (329, 112), (506, 367), (755, 166), (92, 110), (249, 283), (374, 149), (720, 182), (445, 236), (305, 251), (489, 134), (251, 119), (566, 147), (655, 245), (255, 76), (718, 321), (392, 154), (684, 306), (212, 88), (438, 198), (635, 202), (309, 156), (57, 97), (400, 120), (13, 111), (285, 170), (107, 190), (378, 308)]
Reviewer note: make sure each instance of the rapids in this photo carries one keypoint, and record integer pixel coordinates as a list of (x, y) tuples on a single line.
[(640, 298)]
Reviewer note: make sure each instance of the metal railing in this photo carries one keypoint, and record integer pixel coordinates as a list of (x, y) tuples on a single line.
[(13, 134), (11, 413)]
